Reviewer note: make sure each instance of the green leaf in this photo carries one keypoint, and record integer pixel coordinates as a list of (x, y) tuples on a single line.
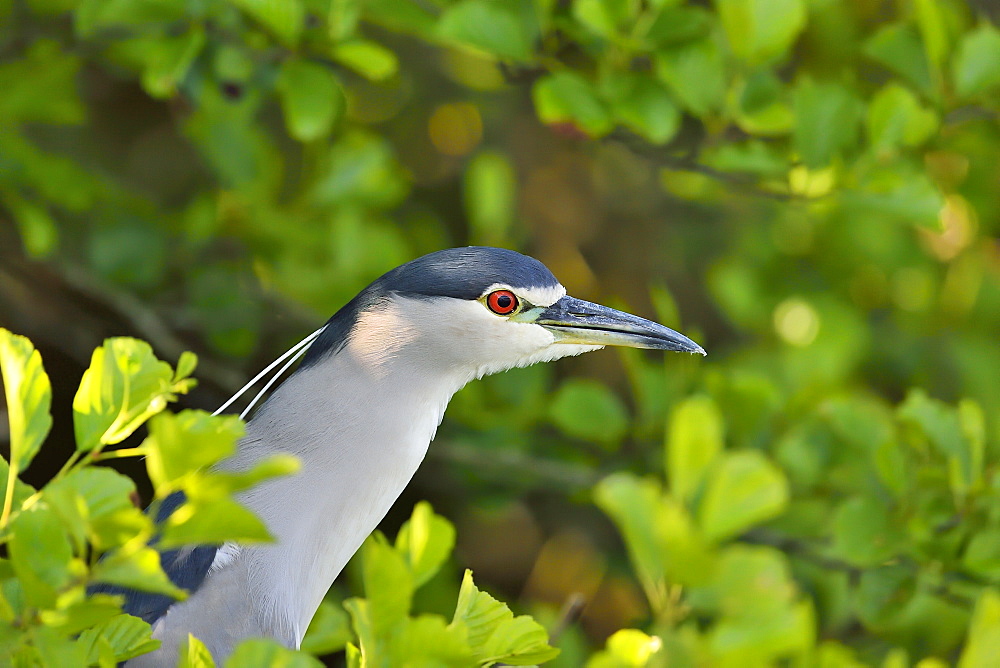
[(941, 425), (763, 107), (329, 631), (428, 640), (826, 121), (188, 441), (695, 73), (95, 503), (567, 97), (426, 540), (213, 520), (983, 643), (897, 46), (490, 198), (632, 504), (933, 30), (284, 18), (311, 99), (627, 648), (40, 86), (760, 31), (127, 636), (261, 653), (83, 614), (863, 533), (389, 584), (744, 489), (982, 554), (29, 398), (168, 61), (135, 569), (54, 649), (588, 410), (194, 654), (895, 118), (603, 17), (488, 27), (124, 386), (976, 65), (369, 59), (41, 555), (883, 593), (494, 634), (36, 226), (643, 105), (695, 437)]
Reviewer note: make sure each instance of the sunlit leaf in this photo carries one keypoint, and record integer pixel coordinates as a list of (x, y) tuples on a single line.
[(426, 540), (188, 441), (369, 59), (135, 569), (127, 636), (41, 555), (761, 30), (124, 386), (29, 397), (261, 653), (284, 18)]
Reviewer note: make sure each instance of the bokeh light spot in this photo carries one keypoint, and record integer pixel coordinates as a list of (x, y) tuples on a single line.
[(796, 322), (455, 128)]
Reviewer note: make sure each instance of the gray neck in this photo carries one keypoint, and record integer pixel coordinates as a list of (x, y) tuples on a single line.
[(360, 431)]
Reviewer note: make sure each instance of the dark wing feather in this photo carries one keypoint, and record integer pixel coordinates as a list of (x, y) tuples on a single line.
[(186, 567)]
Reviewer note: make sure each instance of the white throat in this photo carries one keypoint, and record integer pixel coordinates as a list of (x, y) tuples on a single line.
[(352, 470)]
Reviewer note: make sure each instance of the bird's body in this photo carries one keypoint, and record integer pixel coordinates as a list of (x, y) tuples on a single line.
[(359, 413)]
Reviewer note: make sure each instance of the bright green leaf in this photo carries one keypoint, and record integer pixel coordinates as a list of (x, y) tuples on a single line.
[(761, 31), (976, 66), (194, 654), (627, 648), (135, 569), (941, 425), (261, 653), (493, 28), (632, 504), (29, 398), (694, 439), (494, 634), (127, 636), (284, 18), (895, 118), (644, 105), (567, 97), (41, 555), (744, 489), (983, 643), (124, 386), (212, 520), (428, 640), (188, 441), (329, 631), (369, 59), (426, 540)]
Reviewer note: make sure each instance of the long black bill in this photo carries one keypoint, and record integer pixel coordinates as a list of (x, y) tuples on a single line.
[(576, 321)]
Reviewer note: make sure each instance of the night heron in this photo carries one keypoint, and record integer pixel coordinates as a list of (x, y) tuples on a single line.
[(359, 413)]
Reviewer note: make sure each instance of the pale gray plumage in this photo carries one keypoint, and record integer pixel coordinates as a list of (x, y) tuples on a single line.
[(359, 413)]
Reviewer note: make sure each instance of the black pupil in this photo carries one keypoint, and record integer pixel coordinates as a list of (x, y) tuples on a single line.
[(504, 301)]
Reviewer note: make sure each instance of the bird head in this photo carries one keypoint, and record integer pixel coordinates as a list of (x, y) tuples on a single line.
[(476, 311)]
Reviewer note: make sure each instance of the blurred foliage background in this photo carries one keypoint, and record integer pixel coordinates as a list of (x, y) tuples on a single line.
[(809, 188)]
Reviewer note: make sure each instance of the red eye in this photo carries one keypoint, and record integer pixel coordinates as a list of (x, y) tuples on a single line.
[(502, 302)]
